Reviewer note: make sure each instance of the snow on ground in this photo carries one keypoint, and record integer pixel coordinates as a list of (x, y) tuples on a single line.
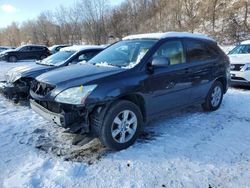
[(190, 148)]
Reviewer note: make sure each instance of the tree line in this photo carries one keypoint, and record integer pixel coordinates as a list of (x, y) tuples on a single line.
[(97, 22)]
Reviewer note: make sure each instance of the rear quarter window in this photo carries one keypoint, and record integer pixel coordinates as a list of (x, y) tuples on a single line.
[(38, 48), (200, 51)]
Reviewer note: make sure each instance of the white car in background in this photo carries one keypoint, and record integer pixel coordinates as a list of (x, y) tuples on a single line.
[(240, 64)]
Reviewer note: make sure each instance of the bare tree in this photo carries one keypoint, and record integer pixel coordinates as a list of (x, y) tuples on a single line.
[(94, 21)]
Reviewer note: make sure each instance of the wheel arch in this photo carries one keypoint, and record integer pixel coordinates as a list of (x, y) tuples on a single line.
[(138, 100), (224, 82), (12, 55)]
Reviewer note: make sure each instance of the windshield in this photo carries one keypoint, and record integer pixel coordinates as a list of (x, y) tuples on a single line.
[(241, 49), (124, 54), (58, 58), (18, 48)]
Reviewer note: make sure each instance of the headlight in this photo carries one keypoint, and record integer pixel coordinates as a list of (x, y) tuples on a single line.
[(246, 67), (75, 95)]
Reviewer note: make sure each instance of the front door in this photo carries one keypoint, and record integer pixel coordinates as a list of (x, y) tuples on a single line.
[(169, 87), (24, 53)]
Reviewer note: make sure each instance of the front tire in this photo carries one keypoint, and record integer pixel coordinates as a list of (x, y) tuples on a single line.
[(121, 125), (214, 97), (12, 59)]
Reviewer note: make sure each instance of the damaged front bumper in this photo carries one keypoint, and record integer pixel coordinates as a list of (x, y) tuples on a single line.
[(58, 119), (13, 91), (72, 119), (8, 89)]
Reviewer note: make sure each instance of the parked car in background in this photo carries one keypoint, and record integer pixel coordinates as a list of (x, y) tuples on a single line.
[(19, 79), (4, 48), (227, 48), (56, 48), (240, 64), (132, 81), (26, 52)]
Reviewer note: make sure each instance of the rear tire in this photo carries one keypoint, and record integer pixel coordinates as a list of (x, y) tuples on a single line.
[(12, 59), (120, 126), (214, 97)]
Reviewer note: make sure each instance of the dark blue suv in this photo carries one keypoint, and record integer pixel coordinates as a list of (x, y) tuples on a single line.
[(132, 81)]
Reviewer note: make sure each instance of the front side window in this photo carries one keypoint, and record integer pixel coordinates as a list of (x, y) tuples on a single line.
[(23, 49), (125, 54), (241, 49), (173, 50)]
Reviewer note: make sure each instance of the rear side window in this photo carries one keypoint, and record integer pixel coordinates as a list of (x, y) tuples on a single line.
[(33, 48), (199, 51), (37, 48), (212, 51), (173, 50)]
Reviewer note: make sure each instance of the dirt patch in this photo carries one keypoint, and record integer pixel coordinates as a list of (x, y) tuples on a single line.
[(60, 145)]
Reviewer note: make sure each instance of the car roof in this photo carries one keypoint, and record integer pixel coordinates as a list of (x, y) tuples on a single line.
[(57, 45), (245, 42), (36, 45), (81, 47), (168, 35)]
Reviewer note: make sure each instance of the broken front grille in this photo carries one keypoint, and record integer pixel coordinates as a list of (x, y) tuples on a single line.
[(40, 88)]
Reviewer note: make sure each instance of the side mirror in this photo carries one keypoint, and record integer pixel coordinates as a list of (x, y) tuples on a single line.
[(160, 61)]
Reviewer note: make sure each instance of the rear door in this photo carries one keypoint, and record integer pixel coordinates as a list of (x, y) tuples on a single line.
[(202, 58), (169, 87), (36, 52)]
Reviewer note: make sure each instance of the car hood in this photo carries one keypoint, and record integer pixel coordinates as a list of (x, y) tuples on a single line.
[(239, 58), (77, 74), (5, 51), (31, 70)]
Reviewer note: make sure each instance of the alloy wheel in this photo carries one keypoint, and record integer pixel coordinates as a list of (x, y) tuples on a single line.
[(124, 126), (216, 96)]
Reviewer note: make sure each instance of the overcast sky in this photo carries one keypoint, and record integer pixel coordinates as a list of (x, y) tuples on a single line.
[(21, 10)]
